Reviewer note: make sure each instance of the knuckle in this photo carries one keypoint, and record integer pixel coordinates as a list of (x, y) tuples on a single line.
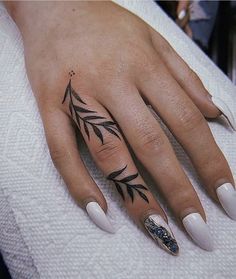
[(213, 164), (191, 77), (110, 149), (149, 141), (190, 119), (164, 47)]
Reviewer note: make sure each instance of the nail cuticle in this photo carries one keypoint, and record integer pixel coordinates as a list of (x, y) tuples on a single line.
[(151, 211), (223, 181), (98, 216), (188, 211), (89, 199)]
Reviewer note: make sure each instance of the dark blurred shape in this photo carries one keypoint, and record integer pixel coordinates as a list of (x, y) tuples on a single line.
[(4, 274), (223, 42), (170, 7), (201, 21), (215, 35), (202, 28)]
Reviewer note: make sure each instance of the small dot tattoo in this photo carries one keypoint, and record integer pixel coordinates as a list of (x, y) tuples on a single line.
[(71, 73)]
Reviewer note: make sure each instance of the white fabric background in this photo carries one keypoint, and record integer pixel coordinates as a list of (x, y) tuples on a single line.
[(43, 234)]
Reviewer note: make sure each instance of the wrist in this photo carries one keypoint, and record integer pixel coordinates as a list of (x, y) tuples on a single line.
[(32, 17), (21, 12), (13, 8)]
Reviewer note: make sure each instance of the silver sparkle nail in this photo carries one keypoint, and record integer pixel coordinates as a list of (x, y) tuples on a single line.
[(161, 233)]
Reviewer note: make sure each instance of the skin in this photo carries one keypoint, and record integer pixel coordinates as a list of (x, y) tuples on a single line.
[(118, 67)]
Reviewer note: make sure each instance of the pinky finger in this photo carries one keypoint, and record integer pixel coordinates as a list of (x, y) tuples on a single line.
[(63, 148), (209, 106)]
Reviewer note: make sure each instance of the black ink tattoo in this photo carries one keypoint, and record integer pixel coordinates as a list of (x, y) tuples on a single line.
[(71, 73), (131, 188), (86, 117)]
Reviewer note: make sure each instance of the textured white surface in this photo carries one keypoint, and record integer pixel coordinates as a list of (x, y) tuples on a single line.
[(43, 233)]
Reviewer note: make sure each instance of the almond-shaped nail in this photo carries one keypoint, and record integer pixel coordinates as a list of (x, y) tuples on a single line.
[(198, 230), (161, 233), (226, 194), (223, 107), (99, 217), (181, 14)]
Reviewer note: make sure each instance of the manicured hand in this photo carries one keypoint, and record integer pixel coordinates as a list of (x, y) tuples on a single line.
[(93, 66)]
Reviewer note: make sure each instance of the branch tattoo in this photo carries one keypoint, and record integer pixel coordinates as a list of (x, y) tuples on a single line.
[(125, 182), (86, 118)]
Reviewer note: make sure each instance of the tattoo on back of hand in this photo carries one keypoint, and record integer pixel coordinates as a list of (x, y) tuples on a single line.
[(85, 117), (125, 182)]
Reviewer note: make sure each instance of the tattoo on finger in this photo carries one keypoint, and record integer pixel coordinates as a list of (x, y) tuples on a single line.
[(86, 118), (125, 183)]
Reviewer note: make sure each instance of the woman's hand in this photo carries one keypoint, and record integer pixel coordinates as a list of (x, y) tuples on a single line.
[(92, 66)]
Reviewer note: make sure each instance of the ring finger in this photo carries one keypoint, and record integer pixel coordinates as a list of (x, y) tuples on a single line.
[(190, 128)]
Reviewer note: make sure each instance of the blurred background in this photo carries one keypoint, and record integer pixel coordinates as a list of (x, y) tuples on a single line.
[(212, 25)]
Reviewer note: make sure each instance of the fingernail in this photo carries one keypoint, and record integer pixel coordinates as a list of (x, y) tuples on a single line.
[(99, 217), (181, 14), (161, 232), (227, 196), (223, 107), (197, 228)]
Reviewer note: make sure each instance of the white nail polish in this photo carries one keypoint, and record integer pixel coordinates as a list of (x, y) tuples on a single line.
[(181, 14), (198, 230), (161, 233), (223, 107), (227, 196), (99, 217)]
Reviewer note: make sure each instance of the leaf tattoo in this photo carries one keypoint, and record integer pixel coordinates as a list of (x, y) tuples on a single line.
[(77, 97), (85, 117), (130, 188)]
